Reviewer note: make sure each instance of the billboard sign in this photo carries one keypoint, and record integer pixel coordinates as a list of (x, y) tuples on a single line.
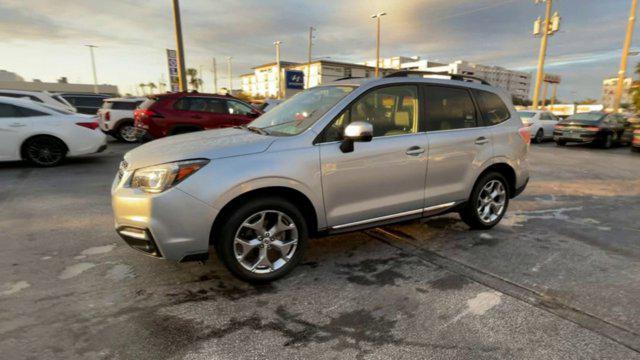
[(294, 79), (172, 61)]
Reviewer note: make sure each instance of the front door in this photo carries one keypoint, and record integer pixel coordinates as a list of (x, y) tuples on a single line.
[(383, 178), (14, 125), (458, 145)]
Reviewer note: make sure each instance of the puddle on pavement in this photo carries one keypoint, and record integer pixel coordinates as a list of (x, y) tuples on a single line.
[(75, 270)]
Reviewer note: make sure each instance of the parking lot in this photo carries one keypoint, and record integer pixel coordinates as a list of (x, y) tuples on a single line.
[(559, 277)]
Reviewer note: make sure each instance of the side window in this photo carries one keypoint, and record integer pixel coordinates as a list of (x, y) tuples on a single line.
[(9, 111), (238, 108), (201, 104), (449, 108), (545, 116), (26, 112), (493, 110), (392, 110)]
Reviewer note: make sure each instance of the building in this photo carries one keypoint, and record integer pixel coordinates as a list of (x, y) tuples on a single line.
[(9, 76), (517, 83), (394, 62), (57, 87), (263, 82), (609, 87)]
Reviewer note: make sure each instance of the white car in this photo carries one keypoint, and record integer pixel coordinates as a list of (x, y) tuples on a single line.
[(44, 97), (116, 118), (541, 123), (44, 135)]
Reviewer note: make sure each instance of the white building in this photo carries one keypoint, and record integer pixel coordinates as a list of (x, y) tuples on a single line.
[(609, 87)]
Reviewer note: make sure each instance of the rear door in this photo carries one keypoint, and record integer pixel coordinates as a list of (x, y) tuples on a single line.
[(459, 145)]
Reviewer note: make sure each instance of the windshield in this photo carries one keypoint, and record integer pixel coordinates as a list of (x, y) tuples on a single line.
[(586, 117), (526, 114), (298, 113)]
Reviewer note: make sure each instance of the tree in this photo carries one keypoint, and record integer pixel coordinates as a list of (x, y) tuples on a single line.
[(151, 86), (142, 87), (194, 81), (635, 90), (587, 101)]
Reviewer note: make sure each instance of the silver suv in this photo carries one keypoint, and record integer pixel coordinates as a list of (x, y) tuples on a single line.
[(349, 155)]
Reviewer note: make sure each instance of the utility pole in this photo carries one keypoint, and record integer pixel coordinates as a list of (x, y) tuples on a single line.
[(554, 94), (215, 77), (229, 74), (93, 66), (311, 29), (545, 28), (625, 56), (544, 94), (377, 17), (182, 73), (277, 44)]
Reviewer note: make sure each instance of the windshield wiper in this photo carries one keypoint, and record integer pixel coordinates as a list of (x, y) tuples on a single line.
[(254, 129)]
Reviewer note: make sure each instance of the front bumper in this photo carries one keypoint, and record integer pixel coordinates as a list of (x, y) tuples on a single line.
[(171, 225)]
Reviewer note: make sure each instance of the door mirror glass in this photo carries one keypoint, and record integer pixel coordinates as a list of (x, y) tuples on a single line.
[(356, 131)]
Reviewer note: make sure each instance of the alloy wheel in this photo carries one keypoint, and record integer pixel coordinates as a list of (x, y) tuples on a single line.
[(265, 241), (128, 133), (45, 151), (491, 201)]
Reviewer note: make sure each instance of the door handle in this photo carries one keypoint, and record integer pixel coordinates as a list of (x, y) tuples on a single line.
[(17, 125), (414, 151), (481, 140)]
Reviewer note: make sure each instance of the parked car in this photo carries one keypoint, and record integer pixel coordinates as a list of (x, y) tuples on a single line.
[(44, 135), (267, 104), (183, 112), (541, 122), (593, 127), (338, 157), (85, 103), (116, 117), (635, 142), (43, 97), (632, 124)]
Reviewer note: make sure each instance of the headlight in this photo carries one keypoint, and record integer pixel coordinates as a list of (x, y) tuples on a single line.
[(158, 178)]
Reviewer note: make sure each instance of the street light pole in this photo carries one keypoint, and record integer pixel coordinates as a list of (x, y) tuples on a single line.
[(625, 55), (215, 76), (377, 17), (93, 66), (229, 74), (182, 73), (545, 30), (277, 44), (311, 29)]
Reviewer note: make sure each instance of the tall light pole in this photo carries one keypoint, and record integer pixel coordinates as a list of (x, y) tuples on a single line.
[(277, 44), (545, 28), (215, 77), (93, 66), (625, 55), (311, 29), (182, 73), (377, 17), (229, 73)]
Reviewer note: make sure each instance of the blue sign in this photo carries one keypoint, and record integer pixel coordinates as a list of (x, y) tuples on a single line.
[(295, 79)]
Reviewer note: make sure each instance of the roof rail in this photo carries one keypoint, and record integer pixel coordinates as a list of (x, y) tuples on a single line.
[(458, 77)]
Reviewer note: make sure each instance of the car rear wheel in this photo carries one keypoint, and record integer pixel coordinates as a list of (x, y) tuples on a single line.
[(127, 132), (607, 142), (488, 202), (44, 151), (262, 240), (539, 136)]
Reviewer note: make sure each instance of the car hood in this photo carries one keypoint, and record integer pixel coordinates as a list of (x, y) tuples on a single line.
[(211, 144)]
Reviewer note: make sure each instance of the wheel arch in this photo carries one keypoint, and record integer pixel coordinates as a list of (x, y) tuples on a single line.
[(505, 170), (296, 197)]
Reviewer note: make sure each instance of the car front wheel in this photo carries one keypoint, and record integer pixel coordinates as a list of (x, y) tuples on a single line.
[(488, 202), (44, 151), (539, 136), (262, 240)]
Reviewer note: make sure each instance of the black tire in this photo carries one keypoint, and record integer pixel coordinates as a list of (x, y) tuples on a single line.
[(470, 214), (225, 245), (539, 138), (561, 142), (607, 142), (123, 132), (44, 151)]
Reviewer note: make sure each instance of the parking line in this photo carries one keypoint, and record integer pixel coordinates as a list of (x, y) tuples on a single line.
[(614, 332)]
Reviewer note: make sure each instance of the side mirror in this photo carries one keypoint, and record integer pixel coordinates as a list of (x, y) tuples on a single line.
[(356, 131)]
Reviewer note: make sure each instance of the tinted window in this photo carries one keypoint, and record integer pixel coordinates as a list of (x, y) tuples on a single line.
[(124, 105), (26, 112), (85, 101), (202, 104), (392, 110), (449, 108), (7, 111), (238, 108), (493, 110)]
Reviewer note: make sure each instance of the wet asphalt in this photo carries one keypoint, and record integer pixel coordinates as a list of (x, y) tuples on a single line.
[(559, 278)]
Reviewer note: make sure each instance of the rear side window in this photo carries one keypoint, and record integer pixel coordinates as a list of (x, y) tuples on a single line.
[(9, 111), (449, 108), (26, 112), (203, 104), (124, 105), (83, 101), (493, 110)]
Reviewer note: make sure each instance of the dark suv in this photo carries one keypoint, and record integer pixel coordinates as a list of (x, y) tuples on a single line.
[(178, 113)]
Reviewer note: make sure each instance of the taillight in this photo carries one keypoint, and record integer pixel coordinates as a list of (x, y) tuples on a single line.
[(89, 125), (525, 134), (107, 116), (592, 128)]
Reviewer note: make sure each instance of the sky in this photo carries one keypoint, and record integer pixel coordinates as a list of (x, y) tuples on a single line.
[(43, 39)]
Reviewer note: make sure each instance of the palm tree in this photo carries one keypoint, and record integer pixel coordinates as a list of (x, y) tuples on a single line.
[(193, 78), (142, 87), (151, 86)]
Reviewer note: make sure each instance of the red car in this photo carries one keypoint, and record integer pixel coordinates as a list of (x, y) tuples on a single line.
[(183, 112)]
